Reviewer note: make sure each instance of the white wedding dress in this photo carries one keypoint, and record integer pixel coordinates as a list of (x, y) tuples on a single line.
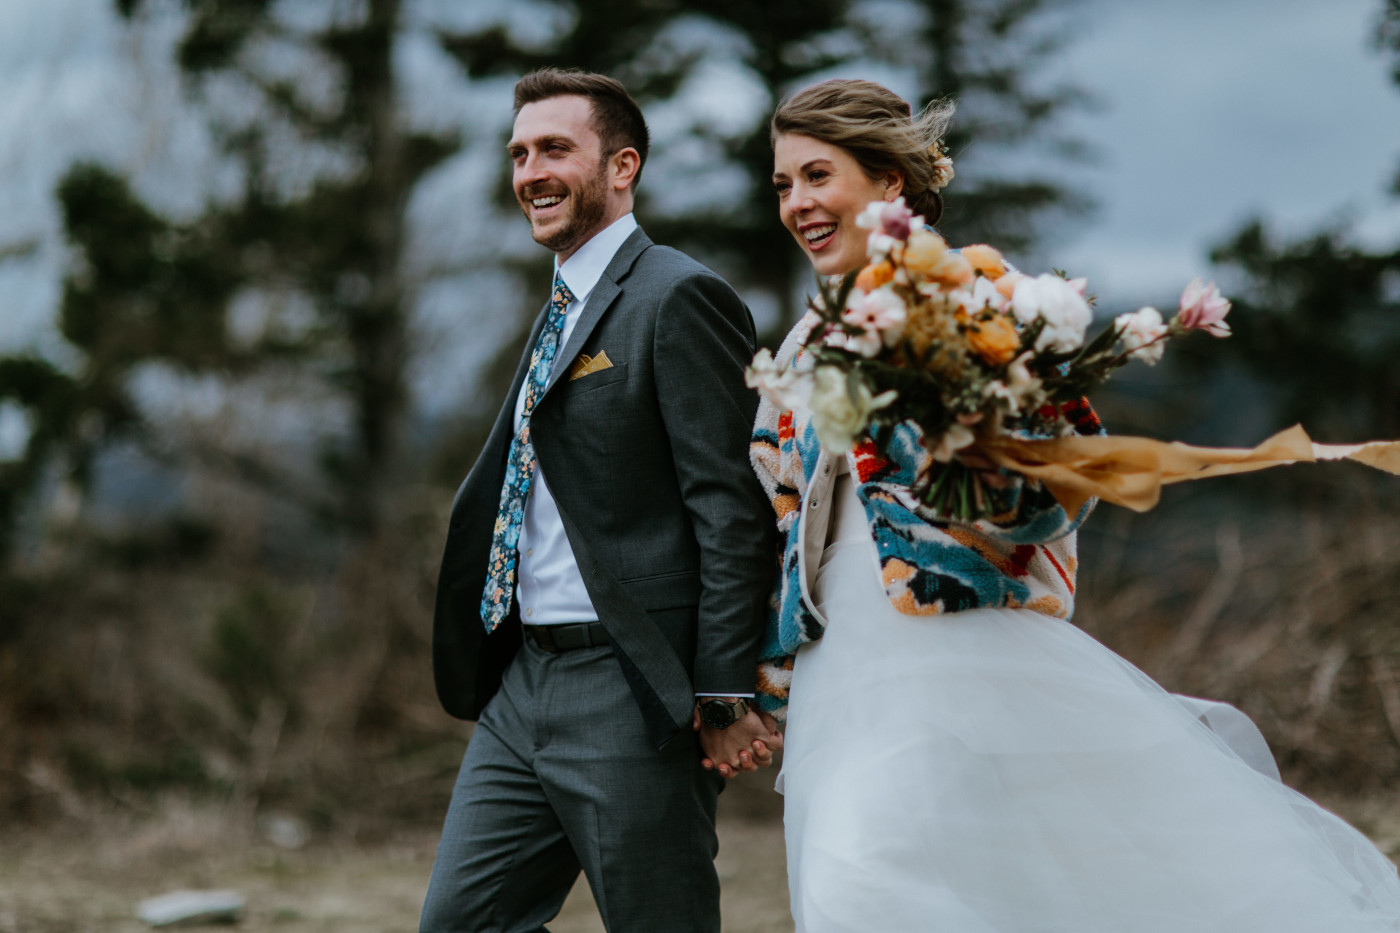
[(1000, 770)]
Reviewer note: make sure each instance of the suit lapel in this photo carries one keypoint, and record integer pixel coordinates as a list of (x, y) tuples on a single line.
[(599, 301)]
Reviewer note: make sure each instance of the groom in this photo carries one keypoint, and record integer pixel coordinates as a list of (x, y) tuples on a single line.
[(607, 564)]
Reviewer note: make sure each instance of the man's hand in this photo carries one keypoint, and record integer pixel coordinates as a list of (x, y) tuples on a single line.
[(747, 745)]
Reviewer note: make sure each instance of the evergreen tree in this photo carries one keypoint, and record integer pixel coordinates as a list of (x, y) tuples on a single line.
[(318, 222), (986, 53), (1318, 318)]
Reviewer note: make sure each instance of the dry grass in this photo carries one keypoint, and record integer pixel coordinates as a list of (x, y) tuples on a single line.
[(1287, 608)]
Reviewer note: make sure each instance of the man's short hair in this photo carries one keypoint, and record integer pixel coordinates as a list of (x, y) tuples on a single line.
[(617, 119)]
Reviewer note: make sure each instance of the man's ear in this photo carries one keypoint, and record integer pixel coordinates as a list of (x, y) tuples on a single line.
[(623, 167)]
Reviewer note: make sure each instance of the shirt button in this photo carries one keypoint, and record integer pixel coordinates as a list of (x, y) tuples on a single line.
[(812, 502), (529, 552), (530, 613)]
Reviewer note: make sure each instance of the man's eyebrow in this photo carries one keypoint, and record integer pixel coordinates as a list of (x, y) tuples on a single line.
[(539, 140)]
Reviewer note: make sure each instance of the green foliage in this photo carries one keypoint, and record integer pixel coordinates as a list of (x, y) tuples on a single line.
[(248, 651)]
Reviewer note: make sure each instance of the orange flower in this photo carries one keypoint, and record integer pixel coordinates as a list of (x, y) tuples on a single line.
[(924, 252), (874, 275), (1006, 285), (952, 271), (986, 260), (995, 340)]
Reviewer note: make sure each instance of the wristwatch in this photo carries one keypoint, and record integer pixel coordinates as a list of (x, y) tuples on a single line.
[(719, 713)]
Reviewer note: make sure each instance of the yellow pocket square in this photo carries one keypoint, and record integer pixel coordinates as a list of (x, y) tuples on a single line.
[(586, 364)]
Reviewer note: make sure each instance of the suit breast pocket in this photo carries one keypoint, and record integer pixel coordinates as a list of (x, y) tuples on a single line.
[(594, 381)]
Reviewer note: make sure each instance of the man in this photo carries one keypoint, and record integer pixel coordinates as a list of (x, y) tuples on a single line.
[(608, 561)]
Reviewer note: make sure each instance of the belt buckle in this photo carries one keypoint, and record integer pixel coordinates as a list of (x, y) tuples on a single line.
[(543, 638)]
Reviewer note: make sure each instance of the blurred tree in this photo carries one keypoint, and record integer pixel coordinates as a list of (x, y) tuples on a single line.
[(1318, 318), (304, 104), (305, 113), (989, 54)]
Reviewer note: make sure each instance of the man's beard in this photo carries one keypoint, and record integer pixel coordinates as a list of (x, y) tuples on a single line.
[(588, 207)]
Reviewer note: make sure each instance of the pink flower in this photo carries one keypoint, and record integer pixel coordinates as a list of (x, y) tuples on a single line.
[(880, 313), (1204, 308), (890, 218)]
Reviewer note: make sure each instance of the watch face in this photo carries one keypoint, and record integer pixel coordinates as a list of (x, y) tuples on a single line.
[(717, 714)]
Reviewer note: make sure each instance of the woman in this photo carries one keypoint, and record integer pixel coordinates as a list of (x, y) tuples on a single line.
[(958, 756)]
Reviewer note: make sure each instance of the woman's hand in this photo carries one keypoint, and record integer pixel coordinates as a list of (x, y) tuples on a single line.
[(747, 745), (992, 476)]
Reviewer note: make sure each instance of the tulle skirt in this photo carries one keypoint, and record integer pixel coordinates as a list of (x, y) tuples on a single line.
[(1000, 770)]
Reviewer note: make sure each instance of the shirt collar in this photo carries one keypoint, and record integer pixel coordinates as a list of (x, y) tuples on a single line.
[(585, 267)]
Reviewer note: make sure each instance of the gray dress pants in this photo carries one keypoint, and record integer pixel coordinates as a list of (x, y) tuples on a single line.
[(559, 776)]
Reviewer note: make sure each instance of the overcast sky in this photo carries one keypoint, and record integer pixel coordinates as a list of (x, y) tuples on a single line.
[(1210, 111), (1214, 111)]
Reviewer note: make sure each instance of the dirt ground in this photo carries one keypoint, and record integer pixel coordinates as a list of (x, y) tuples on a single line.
[(91, 879), (86, 878)]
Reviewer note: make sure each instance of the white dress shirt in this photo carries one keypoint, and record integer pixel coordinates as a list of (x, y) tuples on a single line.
[(550, 588)]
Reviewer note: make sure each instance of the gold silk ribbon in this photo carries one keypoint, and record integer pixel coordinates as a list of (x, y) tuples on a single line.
[(1131, 471)]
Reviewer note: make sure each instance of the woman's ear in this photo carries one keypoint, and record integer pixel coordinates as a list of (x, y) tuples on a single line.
[(894, 184)]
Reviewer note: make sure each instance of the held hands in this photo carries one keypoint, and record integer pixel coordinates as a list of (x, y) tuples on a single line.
[(747, 745)]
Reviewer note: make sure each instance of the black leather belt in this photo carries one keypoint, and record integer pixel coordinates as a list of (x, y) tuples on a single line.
[(568, 636)]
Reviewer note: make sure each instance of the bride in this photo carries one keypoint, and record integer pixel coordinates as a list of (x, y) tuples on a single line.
[(958, 756)]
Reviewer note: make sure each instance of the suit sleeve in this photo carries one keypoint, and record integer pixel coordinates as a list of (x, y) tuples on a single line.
[(704, 339)]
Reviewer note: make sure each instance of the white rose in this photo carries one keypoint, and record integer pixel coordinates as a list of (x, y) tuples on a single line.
[(1060, 304), (1142, 332), (838, 414)]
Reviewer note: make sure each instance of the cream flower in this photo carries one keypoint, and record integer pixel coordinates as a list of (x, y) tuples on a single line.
[(842, 407), (951, 441), (785, 387), (866, 343), (1020, 391), (986, 295), (1142, 333), (942, 173)]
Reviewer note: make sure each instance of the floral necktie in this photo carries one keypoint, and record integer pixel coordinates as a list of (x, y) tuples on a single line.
[(520, 469)]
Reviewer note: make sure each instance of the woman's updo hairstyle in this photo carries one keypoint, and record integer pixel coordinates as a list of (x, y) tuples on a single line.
[(879, 130)]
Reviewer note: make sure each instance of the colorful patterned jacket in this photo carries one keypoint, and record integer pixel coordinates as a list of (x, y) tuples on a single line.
[(1022, 557)]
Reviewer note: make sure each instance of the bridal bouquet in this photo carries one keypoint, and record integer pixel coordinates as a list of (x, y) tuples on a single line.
[(962, 345)]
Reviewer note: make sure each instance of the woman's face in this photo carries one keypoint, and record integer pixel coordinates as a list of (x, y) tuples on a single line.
[(821, 188)]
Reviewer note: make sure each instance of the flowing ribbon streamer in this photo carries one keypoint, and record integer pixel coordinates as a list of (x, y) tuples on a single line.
[(1131, 471)]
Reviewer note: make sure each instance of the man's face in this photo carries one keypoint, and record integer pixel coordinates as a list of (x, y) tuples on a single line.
[(560, 177)]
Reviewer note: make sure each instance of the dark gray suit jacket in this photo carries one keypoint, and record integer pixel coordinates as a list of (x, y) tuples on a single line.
[(648, 461)]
